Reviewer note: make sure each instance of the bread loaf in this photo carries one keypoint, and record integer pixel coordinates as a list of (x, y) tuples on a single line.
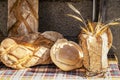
[(95, 49), (52, 35), (67, 55), (22, 17), (25, 51), (95, 40)]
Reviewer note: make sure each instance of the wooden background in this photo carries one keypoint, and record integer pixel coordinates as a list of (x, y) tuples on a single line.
[(52, 17)]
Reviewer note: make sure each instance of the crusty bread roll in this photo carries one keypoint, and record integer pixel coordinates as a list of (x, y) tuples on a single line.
[(52, 35), (67, 55), (25, 51)]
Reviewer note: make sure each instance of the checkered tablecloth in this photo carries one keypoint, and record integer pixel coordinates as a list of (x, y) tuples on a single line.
[(51, 72)]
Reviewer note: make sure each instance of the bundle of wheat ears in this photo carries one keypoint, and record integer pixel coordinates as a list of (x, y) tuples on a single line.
[(35, 48), (95, 40)]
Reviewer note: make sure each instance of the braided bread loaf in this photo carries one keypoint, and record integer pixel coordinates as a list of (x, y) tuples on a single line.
[(26, 51), (22, 17)]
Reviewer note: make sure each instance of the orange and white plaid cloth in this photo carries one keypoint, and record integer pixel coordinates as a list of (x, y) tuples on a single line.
[(51, 72)]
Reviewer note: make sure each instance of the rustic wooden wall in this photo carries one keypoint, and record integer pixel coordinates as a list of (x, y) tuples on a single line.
[(51, 16)]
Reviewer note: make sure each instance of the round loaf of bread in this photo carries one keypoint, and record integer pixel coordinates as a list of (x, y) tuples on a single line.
[(67, 55)]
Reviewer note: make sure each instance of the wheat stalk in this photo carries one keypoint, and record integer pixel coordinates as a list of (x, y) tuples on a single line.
[(78, 12), (90, 26), (111, 23), (99, 28), (76, 17)]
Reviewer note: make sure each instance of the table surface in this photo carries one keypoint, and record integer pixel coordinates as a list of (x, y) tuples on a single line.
[(51, 72)]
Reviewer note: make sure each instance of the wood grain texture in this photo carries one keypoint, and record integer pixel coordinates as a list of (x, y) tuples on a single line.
[(22, 17)]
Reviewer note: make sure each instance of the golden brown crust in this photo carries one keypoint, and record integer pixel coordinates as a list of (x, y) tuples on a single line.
[(22, 17), (94, 53), (110, 37), (25, 51), (67, 55), (83, 44), (52, 35)]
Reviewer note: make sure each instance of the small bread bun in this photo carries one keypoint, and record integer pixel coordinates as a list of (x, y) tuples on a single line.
[(67, 55)]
